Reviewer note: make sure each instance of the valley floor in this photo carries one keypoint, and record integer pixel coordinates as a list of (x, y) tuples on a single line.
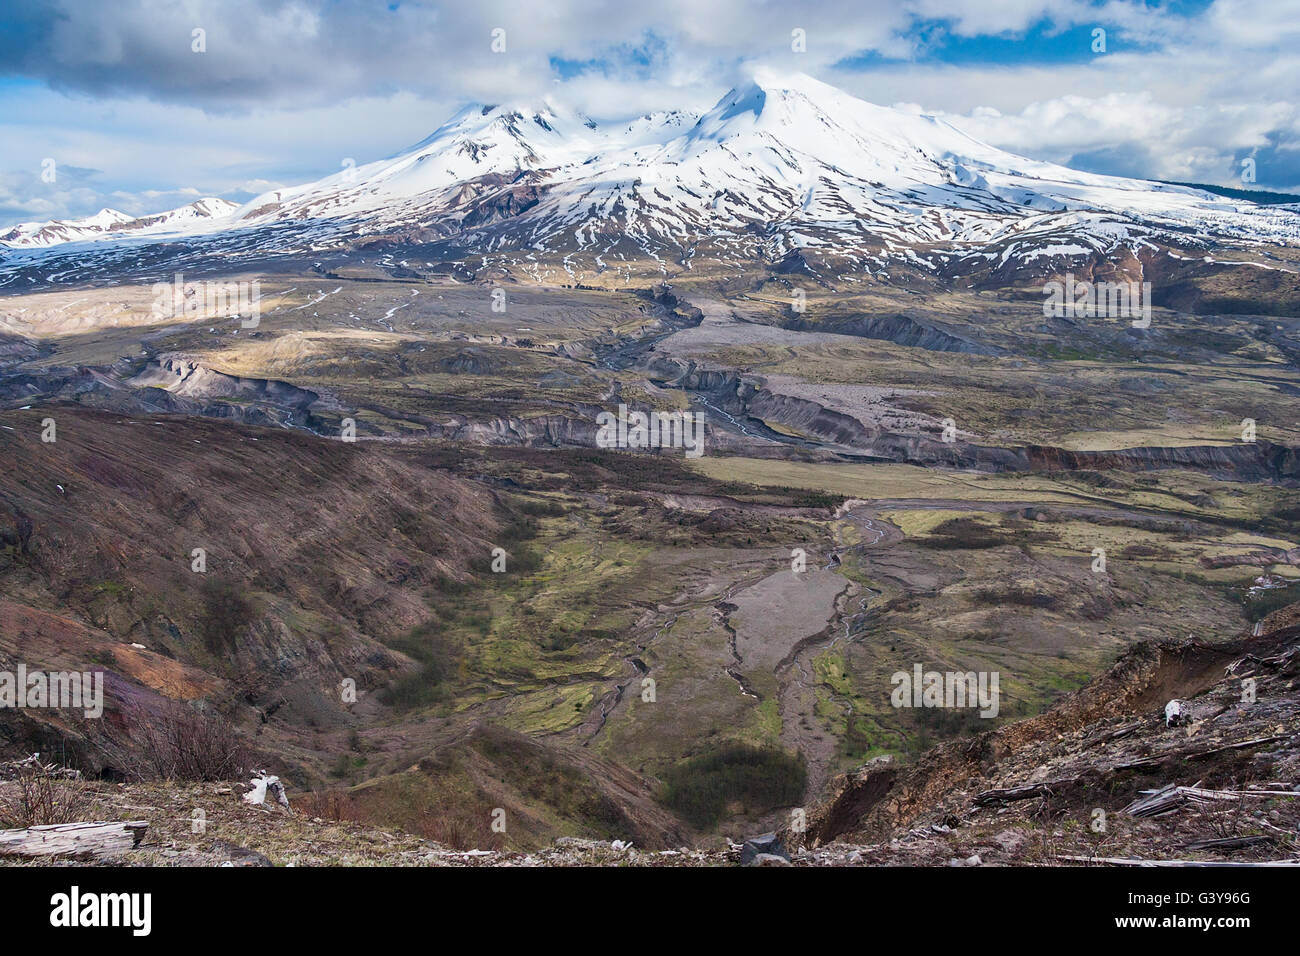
[(471, 607)]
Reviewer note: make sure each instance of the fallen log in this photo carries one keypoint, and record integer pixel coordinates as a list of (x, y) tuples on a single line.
[(95, 841), (1167, 799), (1155, 761), (1012, 794), (1155, 803), (1142, 763), (1257, 742), (1134, 861), (1231, 843)]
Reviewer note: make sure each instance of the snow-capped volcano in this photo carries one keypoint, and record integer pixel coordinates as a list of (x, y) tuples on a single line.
[(779, 152), (777, 165)]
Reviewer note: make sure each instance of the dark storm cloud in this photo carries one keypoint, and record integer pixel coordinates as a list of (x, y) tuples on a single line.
[(253, 52)]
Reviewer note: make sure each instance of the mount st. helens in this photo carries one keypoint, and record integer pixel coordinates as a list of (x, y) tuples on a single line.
[(786, 172), (329, 560)]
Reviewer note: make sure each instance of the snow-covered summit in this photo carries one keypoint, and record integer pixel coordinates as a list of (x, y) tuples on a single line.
[(780, 163)]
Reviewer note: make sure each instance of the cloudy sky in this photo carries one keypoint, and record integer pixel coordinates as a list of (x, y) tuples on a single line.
[(284, 91)]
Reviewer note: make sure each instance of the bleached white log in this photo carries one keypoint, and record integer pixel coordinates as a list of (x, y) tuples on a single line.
[(92, 840)]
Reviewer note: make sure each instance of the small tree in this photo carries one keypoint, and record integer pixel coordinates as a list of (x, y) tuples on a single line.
[(186, 744)]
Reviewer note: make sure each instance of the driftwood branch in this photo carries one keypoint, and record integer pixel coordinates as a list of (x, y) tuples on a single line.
[(84, 840)]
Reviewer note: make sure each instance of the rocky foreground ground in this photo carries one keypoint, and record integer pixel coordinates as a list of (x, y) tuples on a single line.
[(1103, 779)]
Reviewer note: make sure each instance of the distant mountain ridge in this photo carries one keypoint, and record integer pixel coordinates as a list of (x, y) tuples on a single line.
[(1264, 197), (110, 222), (780, 170)]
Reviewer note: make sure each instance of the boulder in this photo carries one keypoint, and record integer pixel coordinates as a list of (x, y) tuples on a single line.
[(768, 844)]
